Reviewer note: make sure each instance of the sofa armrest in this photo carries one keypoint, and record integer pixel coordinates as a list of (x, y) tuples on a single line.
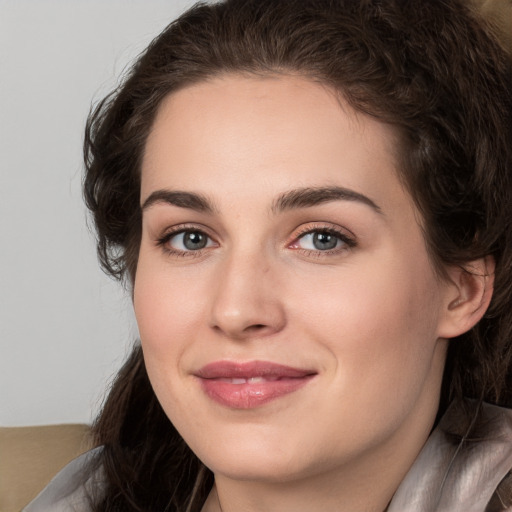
[(31, 456)]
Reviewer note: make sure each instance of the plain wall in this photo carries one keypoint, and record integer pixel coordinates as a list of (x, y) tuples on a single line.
[(65, 328)]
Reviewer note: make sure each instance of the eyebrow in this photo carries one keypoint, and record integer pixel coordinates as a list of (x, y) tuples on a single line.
[(307, 197), (181, 199), (293, 199)]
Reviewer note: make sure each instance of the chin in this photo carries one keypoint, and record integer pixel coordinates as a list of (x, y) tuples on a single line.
[(258, 455), (267, 468)]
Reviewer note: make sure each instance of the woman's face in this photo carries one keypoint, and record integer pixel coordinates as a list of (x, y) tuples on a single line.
[(289, 314)]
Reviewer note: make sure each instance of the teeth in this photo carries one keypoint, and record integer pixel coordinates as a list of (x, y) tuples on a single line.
[(256, 380), (252, 380)]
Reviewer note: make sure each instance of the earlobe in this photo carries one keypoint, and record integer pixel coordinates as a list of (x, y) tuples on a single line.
[(468, 295)]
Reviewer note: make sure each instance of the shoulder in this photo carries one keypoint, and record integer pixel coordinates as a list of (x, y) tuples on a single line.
[(465, 465), (72, 489)]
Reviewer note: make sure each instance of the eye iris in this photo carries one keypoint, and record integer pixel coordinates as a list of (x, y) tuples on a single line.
[(194, 240), (324, 241)]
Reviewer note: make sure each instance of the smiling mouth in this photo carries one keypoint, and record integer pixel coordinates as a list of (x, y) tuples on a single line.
[(252, 384)]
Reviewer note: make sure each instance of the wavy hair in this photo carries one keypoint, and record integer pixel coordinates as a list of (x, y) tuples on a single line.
[(434, 70)]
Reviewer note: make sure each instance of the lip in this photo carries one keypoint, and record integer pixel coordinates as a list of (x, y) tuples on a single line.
[(250, 384)]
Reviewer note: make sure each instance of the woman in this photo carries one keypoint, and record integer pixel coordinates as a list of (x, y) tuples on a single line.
[(311, 203)]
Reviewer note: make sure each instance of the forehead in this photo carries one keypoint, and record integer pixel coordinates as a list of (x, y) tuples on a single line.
[(237, 131)]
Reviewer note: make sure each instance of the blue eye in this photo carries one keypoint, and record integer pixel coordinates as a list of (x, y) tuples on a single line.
[(320, 241), (323, 240), (190, 240)]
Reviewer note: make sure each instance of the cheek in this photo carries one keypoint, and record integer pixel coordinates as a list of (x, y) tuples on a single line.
[(167, 306), (378, 322), (167, 316), (378, 334)]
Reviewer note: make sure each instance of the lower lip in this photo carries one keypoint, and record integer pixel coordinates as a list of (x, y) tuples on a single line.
[(251, 395)]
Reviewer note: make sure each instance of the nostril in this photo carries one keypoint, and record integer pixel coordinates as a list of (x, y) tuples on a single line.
[(255, 327)]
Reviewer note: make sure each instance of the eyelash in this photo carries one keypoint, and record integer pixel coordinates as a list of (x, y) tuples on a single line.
[(163, 241), (348, 241)]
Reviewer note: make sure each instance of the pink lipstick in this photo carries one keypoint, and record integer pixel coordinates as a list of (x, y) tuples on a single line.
[(248, 385)]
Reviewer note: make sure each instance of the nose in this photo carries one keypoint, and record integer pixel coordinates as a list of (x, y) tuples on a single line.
[(246, 301)]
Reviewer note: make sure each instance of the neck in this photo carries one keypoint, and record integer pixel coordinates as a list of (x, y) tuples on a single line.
[(297, 497)]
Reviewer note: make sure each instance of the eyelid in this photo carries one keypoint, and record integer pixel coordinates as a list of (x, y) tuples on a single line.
[(323, 226), (344, 234), (170, 232)]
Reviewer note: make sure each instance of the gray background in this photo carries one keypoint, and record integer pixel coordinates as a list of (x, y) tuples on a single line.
[(64, 327)]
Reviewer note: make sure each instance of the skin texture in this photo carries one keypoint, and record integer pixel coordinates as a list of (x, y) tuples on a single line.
[(370, 317)]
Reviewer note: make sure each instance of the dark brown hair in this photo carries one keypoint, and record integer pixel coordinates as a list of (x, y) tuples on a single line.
[(432, 69)]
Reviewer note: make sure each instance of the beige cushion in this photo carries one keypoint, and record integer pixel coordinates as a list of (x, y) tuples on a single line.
[(500, 13), (31, 456)]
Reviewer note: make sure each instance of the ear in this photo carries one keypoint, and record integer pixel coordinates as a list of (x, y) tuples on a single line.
[(468, 293)]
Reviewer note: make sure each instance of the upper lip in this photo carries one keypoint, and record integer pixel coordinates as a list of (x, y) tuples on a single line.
[(251, 369)]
